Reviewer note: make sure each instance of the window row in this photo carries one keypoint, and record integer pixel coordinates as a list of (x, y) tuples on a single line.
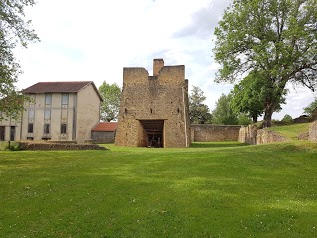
[(48, 99), (47, 114), (47, 128)]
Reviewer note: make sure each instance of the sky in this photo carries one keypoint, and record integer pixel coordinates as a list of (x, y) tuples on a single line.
[(93, 40)]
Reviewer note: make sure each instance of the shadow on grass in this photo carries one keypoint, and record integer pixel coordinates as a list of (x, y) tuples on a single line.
[(216, 144)]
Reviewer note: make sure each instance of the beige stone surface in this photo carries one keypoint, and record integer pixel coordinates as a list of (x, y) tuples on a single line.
[(214, 133), (162, 98), (313, 131)]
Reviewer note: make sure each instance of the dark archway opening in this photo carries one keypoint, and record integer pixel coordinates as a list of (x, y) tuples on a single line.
[(154, 132)]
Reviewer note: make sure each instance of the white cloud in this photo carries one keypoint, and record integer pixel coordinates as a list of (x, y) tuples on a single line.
[(94, 40)]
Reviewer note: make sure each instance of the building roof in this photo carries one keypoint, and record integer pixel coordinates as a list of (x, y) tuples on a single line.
[(105, 126), (60, 87)]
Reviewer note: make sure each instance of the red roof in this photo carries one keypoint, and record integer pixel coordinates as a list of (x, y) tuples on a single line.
[(105, 126), (59, 87)]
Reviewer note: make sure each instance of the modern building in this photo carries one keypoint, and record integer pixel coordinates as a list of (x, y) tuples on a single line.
[(9, 129), (59, 111)]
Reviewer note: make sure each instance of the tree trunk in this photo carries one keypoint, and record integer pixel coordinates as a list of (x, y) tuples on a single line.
[(267, 120), (255, 118)]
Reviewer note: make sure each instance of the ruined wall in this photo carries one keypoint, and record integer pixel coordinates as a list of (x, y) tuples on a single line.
[(313, 131), (208, 132), (253, 136), (161, 97), (266, 136), (247, 134)]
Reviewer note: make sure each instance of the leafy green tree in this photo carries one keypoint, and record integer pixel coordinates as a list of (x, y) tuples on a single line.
[(250, 95), (274, 37), (287, 119), (110, 94), (223, 113), (14, 30), (198, 111), (309, 110), (244, 119)]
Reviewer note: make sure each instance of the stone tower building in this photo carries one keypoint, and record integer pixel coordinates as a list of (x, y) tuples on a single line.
[(154, 109)]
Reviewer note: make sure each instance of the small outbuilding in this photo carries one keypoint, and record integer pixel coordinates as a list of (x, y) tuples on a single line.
[(104, 132)]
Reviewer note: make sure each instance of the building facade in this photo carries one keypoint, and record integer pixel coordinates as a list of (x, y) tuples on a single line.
[(154, 109), (10, 129), (58, 111)]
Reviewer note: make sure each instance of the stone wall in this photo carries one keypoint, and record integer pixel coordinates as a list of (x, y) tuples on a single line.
[(58, 146), (210, 133), (265, 136), (253, 136), (313, 131), (247, 134), (160, 100)]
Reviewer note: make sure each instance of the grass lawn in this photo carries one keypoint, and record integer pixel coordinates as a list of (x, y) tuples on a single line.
[(209, 190), (291, 131)]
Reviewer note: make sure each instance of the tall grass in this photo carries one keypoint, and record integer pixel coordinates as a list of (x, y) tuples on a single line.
[(208, 190)]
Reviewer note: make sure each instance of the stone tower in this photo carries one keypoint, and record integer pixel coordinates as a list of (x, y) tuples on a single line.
[(154, 109)]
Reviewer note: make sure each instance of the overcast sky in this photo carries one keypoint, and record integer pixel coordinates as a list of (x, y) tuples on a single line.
[(93, 40)]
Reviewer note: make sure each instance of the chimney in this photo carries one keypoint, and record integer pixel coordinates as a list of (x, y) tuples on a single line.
[(157, 65)]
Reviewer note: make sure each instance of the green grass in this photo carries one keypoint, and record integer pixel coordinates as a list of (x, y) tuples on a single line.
[(3, 145), (291, 131), (208, 190)]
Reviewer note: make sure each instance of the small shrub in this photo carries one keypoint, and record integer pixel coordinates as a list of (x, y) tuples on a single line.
[(13, 146)]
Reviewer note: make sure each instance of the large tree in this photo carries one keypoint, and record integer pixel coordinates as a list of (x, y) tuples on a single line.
[(250, 95), (275, 37), (14, 31), (198, 111), (110, 94)]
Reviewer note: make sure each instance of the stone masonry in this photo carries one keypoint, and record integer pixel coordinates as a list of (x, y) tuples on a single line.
[(313, 131), (154, 109), (214, 133)]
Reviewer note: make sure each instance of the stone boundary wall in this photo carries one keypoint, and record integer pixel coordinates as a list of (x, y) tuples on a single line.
[(265, 136), (214, 133), (253, 136), (313, 131), (247, 134), (59, 146)]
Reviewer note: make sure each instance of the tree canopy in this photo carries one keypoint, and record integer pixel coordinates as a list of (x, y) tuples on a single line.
[(198, 111), (311, 108), (275, 37), (110, 94), (251, 93), (14, 30), (223, 113)]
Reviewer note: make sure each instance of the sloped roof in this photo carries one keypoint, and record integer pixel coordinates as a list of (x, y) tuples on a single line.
[(105, 126), (60, 87)]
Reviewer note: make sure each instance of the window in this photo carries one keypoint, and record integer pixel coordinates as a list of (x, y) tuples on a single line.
[(31, 113), (63, 128), (46, 128), (2, 133), (48, 99), (65, 98), (12, 133), (47, 114), (30, 128)]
